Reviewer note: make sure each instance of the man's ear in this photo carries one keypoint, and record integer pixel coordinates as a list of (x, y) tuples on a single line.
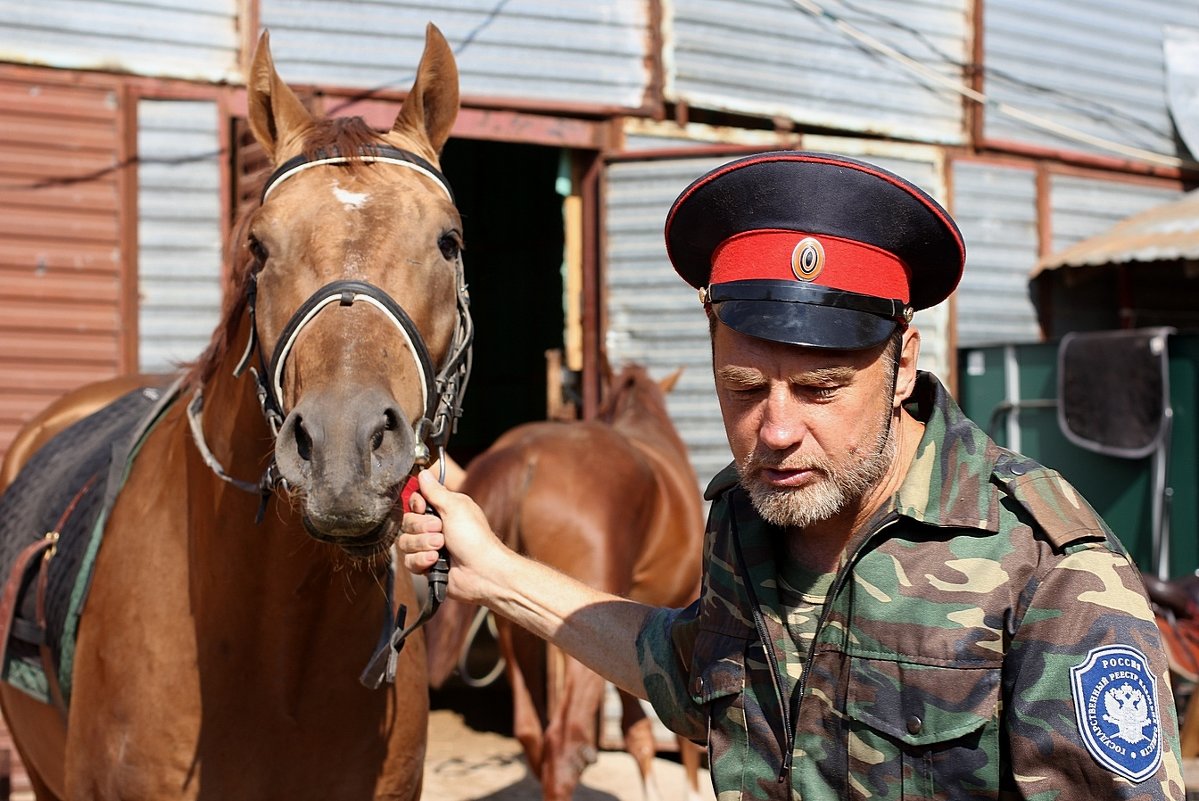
[(909, 353)]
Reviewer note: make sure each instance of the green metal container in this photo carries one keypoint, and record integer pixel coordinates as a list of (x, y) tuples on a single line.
[(1013, 392)]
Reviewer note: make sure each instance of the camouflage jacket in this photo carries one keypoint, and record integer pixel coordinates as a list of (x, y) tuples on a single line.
[(988, 637)]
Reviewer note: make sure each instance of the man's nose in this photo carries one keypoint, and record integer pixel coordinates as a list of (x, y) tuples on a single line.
[(782, 420)]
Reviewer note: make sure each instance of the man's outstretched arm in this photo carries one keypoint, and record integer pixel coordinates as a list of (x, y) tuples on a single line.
[(598, 629)]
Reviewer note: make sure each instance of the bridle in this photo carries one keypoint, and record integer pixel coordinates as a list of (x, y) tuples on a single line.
[(442, 388)]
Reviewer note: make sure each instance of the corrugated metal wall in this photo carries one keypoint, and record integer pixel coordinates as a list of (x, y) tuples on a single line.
[(179, 230), (1096, 66), (1083, 207), (776, 58), (996, 209), (60, 259), (177, 38), (653, 316), (544, 50)]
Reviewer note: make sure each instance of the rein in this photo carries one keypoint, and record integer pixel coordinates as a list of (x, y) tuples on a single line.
[(442, 389)]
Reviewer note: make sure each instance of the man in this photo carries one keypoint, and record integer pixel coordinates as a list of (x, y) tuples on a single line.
[(893, 606)]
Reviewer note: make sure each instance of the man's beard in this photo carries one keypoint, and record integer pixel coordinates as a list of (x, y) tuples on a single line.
[(836, 487)]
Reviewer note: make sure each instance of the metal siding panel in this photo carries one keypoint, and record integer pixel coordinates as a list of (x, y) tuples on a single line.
[(996, 210), (1095, 66), (165, 38), (653, 316), (770, 58), (1085, 207), (1165, 232), (59, 249), (576, 53), (179, 232)]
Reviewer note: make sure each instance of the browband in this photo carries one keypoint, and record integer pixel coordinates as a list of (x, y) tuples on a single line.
[(375, 154)]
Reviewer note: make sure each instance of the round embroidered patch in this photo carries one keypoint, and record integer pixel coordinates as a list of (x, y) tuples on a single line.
[(1115, 701)]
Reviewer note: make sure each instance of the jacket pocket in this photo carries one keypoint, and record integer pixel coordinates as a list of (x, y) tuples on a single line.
[(718, 682), (920, 731)]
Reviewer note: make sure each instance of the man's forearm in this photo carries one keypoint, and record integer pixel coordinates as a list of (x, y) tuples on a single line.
[(598, 629)]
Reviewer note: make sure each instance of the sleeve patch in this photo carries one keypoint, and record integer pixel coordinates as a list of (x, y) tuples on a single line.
[(1115, 702)]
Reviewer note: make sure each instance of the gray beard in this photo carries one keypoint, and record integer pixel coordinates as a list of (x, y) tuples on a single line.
[(836, 490)]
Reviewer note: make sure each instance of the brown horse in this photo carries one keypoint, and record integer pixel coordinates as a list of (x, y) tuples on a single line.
[(217, 658), (615, 503)]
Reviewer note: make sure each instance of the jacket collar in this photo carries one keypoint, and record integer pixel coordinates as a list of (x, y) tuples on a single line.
[(948, 482)]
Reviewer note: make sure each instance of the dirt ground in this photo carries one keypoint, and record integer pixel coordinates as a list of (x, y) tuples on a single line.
[(473, 757)]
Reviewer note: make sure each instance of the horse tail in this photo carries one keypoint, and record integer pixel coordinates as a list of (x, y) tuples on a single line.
[(497, 485)]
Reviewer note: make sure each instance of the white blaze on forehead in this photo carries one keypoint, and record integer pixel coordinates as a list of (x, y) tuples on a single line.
[(348, 199)]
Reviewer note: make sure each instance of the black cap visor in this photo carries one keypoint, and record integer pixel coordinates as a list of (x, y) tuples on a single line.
[(805, 314)]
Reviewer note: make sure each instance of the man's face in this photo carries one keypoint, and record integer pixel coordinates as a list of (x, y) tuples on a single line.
[(809, 429)]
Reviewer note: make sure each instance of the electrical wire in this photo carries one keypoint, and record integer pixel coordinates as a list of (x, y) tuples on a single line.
[(1064, 131), (1089, 107)]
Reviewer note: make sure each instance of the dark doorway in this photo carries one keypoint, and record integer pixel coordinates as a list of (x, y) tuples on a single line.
[(513, 228)]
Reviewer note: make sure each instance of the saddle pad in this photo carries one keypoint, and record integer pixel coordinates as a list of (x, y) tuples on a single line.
[(96, 449)]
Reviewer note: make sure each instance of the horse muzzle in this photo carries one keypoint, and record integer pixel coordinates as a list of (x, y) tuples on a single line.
[(346, 456)]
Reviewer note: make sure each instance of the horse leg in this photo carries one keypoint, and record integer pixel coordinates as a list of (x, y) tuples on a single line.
[(639, 743), (570, 739), (525, 658), (41, 791), (39, 734)]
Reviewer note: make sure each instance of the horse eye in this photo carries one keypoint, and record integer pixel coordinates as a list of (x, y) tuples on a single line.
[(450, 245), (258, 250)]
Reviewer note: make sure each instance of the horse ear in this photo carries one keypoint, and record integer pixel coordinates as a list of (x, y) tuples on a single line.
[(275, 113), (667, 383), (431, 107), (605, 374)]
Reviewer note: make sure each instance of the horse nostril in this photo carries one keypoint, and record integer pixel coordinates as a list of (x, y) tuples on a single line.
[(303, 440), (391, 421)]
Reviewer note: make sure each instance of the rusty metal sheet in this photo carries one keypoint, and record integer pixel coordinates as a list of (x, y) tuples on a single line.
[(60, 240), (1163, 233)]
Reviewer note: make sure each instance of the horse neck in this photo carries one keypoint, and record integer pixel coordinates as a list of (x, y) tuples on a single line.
[(235, 429)]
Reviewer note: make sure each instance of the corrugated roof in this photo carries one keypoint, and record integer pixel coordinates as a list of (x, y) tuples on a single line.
[(1164, 233)]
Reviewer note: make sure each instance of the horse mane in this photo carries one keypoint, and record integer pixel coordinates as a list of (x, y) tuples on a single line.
[(346, 135)]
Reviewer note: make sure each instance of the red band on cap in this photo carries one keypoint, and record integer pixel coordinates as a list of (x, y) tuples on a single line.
[(849, 265)]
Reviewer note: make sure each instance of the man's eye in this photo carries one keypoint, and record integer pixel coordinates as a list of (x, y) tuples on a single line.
[(821, 392)]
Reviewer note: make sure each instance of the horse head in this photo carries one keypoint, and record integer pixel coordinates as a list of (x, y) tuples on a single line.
[(357, 297), (632, 392)]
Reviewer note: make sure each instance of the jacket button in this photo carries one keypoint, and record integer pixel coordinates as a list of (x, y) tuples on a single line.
[(915, 724)]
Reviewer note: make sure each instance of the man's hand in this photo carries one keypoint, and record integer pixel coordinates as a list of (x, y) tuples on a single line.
[(461, 528)]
